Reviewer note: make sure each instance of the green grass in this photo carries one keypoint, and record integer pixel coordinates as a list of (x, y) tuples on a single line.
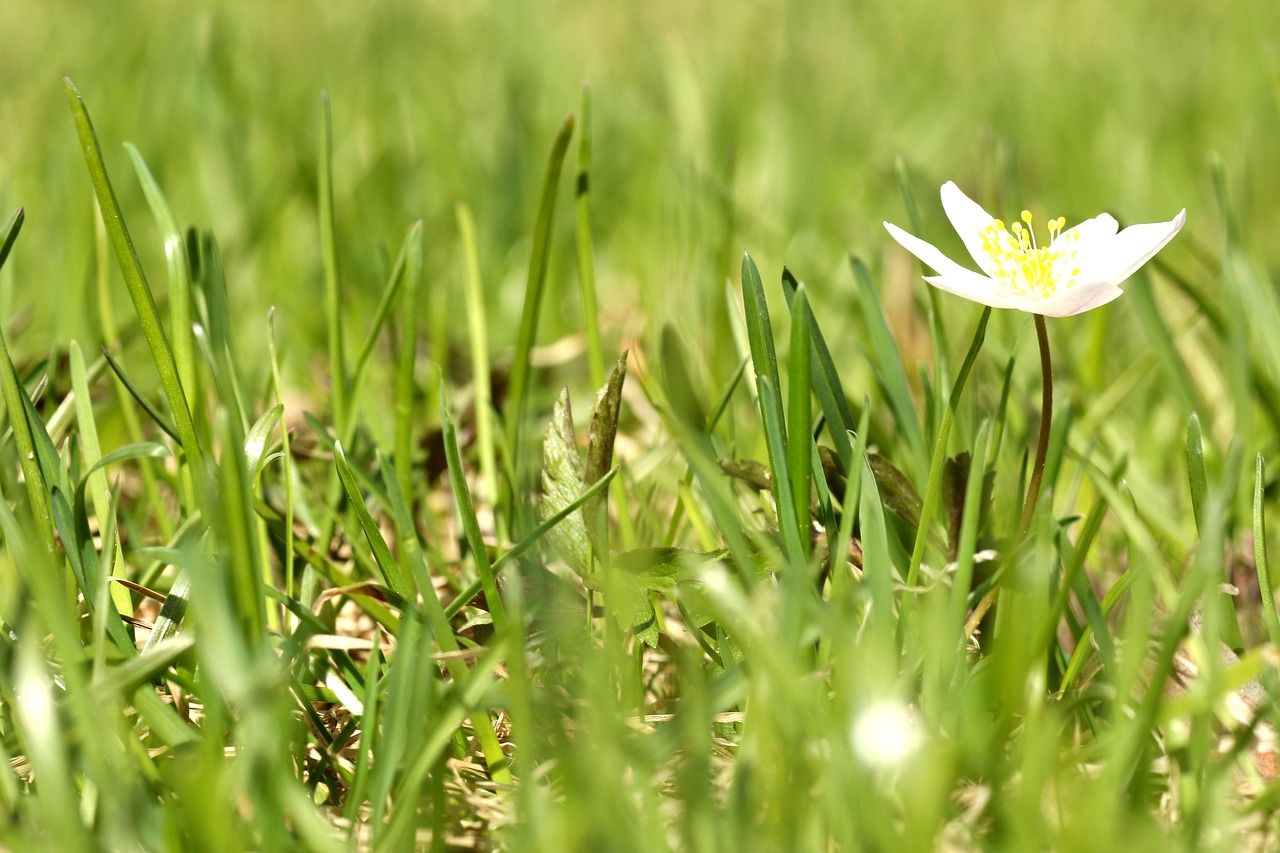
[(324, 524)]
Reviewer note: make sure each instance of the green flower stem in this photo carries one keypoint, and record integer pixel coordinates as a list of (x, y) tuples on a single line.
[(1037, 471), (1042, 445), (933, 492)]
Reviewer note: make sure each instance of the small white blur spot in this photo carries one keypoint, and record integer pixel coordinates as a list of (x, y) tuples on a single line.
[(886, 733)]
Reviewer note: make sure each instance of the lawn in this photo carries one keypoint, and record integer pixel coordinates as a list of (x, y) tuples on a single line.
[(511, 425)]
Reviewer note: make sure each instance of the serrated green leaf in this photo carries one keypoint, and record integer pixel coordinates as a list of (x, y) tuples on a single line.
[(562, 485)]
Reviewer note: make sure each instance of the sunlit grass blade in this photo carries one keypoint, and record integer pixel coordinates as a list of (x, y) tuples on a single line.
[(826, 382), (16, 403), (406, 387), (179, 268), (478, 338), (586, 263), (933, 490), (889, 364), (333, 302), (800, 449), (1199, 483), (387, 565), (1261, 559), (765, 361), (535, 286), (470, 524), (92, 451), (390, 294), (1166, 349), (139, 290)]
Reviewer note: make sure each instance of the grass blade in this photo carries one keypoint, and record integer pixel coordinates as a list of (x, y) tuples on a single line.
[(889, 361), (826, 382), (470, 524), (586, 266), (534, 287), (15, 402), (406, 387), (329, 258), (800, 449), (1263, 564), (144, 303)]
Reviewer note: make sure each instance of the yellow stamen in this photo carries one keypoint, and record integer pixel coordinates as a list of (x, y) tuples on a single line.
[(1022, 265)]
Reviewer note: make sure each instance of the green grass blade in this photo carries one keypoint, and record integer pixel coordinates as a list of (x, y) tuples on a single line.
[(470, 524), (387, 565), (334, 312), (800, 449), (395, 281), (889, 361), (779, 469), (179, 268), (586, 265), (478, 338), (1198, 480), (764, 358), (15, 401), (534, 288), (532, 538), (97, 478), (406, 387), (144, 303), (826, 382), (933, 491), (1261, 560)]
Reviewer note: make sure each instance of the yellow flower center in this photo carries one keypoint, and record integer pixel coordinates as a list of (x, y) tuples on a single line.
[(1025, 267)]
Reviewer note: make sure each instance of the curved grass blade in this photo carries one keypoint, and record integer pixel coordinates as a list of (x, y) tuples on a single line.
[(1260, 553), (178, 264), (144, 303), (933, 490), (826, 382), (395, 281), (534, 287), (387, 565), (406, 388), (1198, 480), (889, 361), (586, 267), (95, 477), (800, 448), (329, 259), (470, 524), (478, 337), (16, 402)]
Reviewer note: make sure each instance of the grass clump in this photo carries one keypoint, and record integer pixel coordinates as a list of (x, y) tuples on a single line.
[(551, 531)]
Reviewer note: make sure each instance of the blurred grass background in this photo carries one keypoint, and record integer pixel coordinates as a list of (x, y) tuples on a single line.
[(773, 126), (767, 126)]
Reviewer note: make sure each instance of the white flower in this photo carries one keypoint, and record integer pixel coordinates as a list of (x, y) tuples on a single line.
[(1078, 270)]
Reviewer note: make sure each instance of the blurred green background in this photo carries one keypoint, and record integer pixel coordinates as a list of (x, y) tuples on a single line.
[(763, 126)]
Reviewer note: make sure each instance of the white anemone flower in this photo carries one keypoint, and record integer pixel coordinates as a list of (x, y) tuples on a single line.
[(1080, 268)]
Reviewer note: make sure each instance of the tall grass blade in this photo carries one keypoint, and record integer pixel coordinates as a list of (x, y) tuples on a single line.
[(144, 303), (534, 289), (586, 263)]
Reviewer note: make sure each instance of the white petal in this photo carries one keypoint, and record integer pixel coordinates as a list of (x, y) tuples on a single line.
[(1092, 232), (1119, 257), (1069, 301), (977, 288), (969, 220), (951, 277)]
